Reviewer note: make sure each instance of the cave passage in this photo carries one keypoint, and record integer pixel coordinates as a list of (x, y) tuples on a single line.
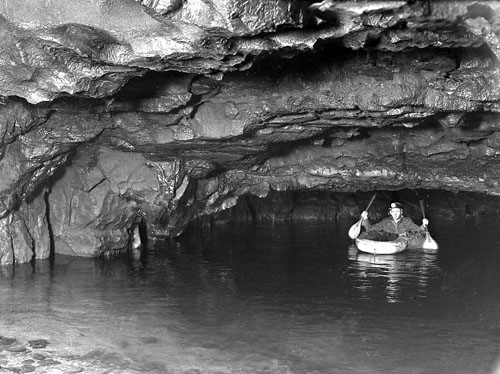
[(342, 207), (178, 179), (283, 297)]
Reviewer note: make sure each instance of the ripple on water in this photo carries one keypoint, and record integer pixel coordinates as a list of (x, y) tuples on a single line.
[(280, 298)]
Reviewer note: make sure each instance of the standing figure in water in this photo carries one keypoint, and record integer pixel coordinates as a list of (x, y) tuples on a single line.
[(393, 226)]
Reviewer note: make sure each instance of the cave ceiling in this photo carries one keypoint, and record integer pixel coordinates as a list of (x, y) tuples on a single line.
[(171, 109)]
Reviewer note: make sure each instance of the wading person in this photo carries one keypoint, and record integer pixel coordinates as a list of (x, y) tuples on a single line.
[(394, 226)]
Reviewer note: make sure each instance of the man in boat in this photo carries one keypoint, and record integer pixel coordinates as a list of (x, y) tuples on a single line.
[(394, 226)]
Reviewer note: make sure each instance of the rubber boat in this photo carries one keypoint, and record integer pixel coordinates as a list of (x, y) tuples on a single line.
[(389, 247)]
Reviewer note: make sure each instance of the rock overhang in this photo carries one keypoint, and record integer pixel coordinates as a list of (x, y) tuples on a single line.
[(196, 104)]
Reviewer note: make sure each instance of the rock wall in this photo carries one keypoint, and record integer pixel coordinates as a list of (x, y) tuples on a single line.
[(115, 114)]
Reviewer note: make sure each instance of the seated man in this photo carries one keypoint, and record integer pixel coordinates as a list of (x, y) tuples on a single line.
[(393, 226)]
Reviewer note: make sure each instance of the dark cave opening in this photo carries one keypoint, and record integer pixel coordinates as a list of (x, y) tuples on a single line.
[(439, 205)]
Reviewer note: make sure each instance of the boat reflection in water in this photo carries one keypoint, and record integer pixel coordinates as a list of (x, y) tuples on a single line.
[(390, 273)]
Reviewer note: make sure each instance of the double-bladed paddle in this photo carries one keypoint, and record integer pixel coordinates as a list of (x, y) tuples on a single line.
[(356, 228)]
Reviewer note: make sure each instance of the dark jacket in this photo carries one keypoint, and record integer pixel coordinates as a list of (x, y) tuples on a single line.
[(404, 225)]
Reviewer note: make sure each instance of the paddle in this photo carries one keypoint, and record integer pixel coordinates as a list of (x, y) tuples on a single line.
[(356, 228), (429, 243)]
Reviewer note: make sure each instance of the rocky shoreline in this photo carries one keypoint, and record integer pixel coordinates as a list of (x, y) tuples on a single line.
[(35, 356)]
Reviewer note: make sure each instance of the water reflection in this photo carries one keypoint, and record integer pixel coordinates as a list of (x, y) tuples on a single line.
[(283, 298), (397, 271)]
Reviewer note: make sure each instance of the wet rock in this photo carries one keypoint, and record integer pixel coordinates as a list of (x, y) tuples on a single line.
[(38, 343), (48, 362), (5, 342), (17, 348), (27, 369), (149, 340)]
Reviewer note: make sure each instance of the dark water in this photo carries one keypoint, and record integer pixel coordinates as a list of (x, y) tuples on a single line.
[(272, 298)]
